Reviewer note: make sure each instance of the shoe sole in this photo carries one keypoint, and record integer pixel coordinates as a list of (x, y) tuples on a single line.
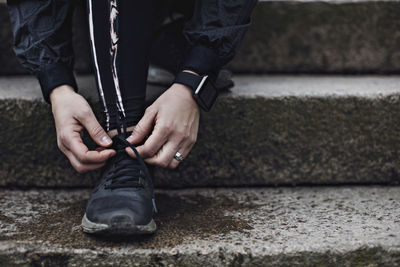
[(122, 228)]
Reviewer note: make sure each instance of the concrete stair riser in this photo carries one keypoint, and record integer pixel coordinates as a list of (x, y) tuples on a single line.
[(322, 37), (286, 37), (245, 140)]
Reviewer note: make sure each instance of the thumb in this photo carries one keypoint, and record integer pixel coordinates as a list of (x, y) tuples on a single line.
[(143, 127), (95, 130)]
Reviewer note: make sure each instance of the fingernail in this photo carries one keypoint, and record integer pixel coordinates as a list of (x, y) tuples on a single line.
[(106, 140), (129, 139)]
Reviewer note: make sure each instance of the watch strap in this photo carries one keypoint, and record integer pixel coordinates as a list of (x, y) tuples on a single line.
[(188, 79), (204, 92)]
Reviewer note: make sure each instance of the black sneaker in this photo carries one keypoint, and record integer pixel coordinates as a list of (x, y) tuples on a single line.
[(123, 200)]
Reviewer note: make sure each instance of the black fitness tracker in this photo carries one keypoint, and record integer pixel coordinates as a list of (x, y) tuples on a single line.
[(204, 91)]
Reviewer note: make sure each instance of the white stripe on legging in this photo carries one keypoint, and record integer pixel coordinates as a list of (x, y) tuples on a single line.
[(92, 42), (114, 51)]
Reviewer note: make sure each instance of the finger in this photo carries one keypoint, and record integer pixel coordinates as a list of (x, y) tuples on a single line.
[(184, 150), (76, 146), (142, 129), (150, 148), (99, 149), (153, 144), (80, 167), (165, 155), (94, 129)]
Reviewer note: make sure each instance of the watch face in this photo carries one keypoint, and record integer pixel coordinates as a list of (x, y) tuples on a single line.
[(207, 94)]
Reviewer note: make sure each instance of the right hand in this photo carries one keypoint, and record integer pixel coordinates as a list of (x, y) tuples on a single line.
[(72, 114)]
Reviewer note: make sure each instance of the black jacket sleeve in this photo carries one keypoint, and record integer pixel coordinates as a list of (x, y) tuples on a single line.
[(214, 33), (43, 40)]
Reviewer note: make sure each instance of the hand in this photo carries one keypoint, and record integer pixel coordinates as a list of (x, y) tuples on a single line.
[(72, 114), (175, 117)]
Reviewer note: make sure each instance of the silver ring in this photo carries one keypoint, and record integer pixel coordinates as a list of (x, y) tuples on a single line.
[(178, 156)]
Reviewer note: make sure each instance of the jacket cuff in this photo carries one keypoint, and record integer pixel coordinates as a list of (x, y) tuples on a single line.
[(202, 60), (53, 75)]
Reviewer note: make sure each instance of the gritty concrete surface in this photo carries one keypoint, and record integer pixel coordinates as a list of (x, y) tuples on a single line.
[(291, 36), (321, 37), (331, 1), (314, 226), (270, 130)]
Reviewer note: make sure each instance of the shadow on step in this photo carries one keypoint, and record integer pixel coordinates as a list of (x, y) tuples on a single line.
[(180, 218)]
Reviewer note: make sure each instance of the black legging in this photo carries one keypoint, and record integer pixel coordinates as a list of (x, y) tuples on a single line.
[(120, 34)]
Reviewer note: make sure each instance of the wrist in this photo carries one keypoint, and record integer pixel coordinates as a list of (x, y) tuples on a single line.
[(183, 90), (184, 93), (203, 91), (187, 88), (61, 92)]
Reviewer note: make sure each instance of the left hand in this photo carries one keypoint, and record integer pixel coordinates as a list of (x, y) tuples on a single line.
[(175, 116)]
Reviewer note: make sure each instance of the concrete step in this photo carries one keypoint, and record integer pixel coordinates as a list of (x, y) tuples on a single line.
[(318, 226), (293, 36), (269, 130)]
